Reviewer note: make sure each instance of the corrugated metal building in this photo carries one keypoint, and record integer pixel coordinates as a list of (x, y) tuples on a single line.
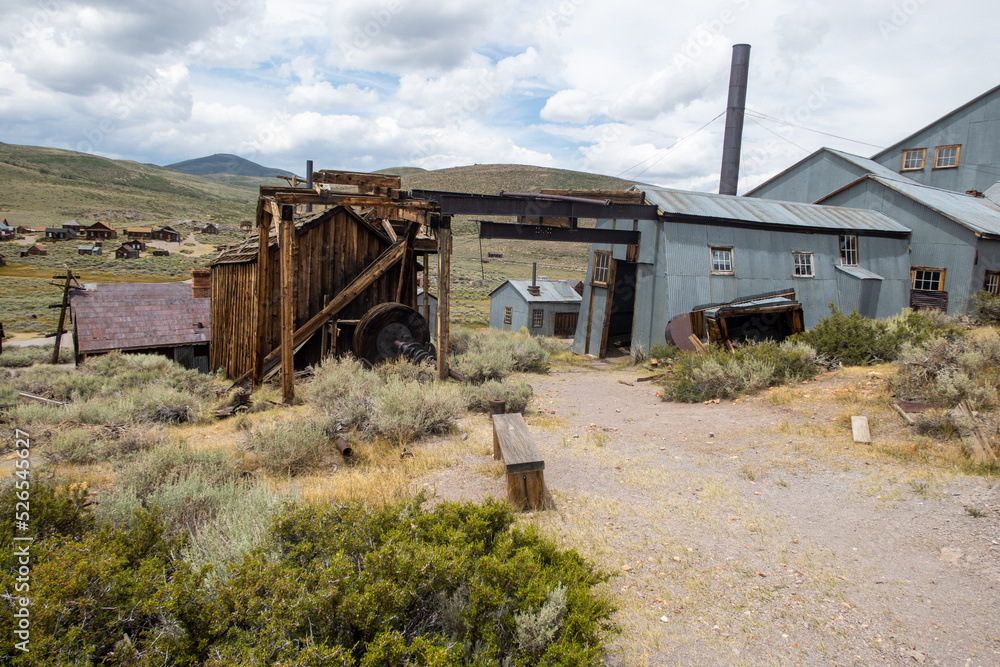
[(155, 318), (708, 248), (547, 308), (955, 245)]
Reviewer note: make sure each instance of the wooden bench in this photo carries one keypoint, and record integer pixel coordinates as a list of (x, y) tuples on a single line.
[(524, 465)]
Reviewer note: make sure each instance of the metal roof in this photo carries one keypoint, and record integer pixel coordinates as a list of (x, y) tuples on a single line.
[(549, 291), (751, 212), (976, 213), (130, 316), (871, 166), (858, 272), (743, 305)]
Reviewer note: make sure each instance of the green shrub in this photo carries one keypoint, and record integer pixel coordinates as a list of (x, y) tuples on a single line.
[(945, 371), (517, 394), (492, 354), (985, 307), (22, 357), (855, 340), (396, 400), (749, 369), (459, 585), (287, 448)]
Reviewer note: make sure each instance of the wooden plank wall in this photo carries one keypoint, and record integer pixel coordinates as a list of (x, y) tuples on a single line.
[(234, 289)]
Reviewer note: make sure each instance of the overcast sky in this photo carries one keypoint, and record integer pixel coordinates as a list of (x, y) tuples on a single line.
[(618, 88)]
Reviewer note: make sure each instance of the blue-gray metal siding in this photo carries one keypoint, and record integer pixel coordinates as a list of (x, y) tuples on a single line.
[(681, 278), (507, 295), (816, 177), (976, 128), (936, 242)]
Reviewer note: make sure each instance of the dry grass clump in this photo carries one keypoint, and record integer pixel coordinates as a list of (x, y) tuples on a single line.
[(945, 371), (396, 401), (287, 447), (517, 394), (492, 354)]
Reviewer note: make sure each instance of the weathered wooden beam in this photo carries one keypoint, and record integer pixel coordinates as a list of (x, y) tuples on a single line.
[(408, 260), (374, 271), (346, 199), (62, 316), (360, 179), (287, 304), (263, 286), (444, 291)]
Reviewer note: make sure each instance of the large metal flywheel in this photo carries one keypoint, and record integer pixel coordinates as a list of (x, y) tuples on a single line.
[(388, 330)]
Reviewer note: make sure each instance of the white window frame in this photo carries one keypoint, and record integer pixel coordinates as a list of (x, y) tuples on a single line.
[(537, 319), (849, 255), (919, 157), (991, 283), (803, 265), (602, 268), (721, 258), (508, 314), (943, 154)]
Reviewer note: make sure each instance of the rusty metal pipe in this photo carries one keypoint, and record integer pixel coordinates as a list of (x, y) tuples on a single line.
[(343, 447)]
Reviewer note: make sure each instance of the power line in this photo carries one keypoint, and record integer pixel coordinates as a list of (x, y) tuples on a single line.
[(764, 116), (666, 151), (752, 120)]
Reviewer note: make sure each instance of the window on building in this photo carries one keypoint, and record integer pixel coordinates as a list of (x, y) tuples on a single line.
[(848, 250), (537, 317), (802, 264), (992, 282), (927, 279), (946, 157), (508, 314), (602, 266), (913, 158), (722, 259)]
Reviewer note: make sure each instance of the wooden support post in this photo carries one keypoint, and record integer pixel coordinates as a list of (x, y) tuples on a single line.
[(427, 296), (263, 290), (287, 304), (62, 316), (406, 266), (325, 336), (444, 290)]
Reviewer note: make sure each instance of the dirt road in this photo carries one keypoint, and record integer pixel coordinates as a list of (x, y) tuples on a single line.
[(757, 532)]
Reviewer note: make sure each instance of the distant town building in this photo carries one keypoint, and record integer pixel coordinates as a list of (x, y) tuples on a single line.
[(126, 252), (92, 250), (167, 233), (100, 230), (546, 308), (35, 250), (141, 233), (59, 233)]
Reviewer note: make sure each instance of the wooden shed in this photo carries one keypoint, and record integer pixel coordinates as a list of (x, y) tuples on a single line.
[(126, 252), (139, 232), (34, 250), (167, 233), (332, 248)]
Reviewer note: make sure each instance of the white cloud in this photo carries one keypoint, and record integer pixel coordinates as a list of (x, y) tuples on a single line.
[(323, 95), (569, 106)]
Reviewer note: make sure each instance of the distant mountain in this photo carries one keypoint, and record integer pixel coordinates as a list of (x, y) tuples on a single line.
[(225, 163)]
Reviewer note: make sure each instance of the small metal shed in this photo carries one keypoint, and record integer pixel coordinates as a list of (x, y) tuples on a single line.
[(545, 308)]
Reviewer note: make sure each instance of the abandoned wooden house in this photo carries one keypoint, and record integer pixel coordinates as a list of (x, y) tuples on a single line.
[(139, 233), (160, 252), (543, 307), (209, 228), (171, 319), (6, 231), (125, 251), (167, 233), (24, 230), (100, 230), (138, 244), (59, 233), (74, 226), (36, 249)]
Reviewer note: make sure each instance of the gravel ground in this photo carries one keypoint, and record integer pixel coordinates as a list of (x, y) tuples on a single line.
[(756, 532)]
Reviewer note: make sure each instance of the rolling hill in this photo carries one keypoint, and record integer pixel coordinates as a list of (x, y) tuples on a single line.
[(226, 163)]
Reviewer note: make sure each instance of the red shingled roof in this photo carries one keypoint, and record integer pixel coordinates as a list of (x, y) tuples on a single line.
[(130, 316)]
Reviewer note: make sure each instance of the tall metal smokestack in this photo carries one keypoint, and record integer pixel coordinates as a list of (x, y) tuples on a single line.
[(309, 182), (733, 141)]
